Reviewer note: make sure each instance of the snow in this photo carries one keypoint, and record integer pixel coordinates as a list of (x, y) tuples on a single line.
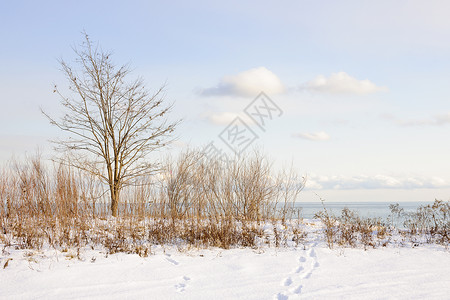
[(310, 271)]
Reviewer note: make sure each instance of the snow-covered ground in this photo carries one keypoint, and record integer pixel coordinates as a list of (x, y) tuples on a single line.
[(311, 271)]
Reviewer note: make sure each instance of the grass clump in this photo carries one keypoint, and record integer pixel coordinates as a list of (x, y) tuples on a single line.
[(349, 229), (428, 224)]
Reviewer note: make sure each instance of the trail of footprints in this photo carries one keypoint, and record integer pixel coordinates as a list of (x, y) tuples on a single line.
[(294, 282), (181, 286)]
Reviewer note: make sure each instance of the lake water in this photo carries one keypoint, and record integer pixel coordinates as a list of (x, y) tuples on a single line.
[(365, 209)]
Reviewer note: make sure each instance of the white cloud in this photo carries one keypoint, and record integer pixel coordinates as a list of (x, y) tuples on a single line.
[(436, 120), (313, 136), (342, 83), (373, 182), (247, 83), (226, 118), (442, 119)]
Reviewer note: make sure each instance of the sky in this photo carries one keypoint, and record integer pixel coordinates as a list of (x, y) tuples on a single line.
[(361, 88)]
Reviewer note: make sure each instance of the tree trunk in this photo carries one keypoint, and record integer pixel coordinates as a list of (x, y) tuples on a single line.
[(114, 200)]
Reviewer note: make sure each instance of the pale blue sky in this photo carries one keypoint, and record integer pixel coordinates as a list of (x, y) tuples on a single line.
[(364, 85)]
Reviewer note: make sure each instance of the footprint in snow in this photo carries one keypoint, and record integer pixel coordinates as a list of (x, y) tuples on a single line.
[(281, 296), (298, 290), (287, 281), (307, 275), (181, 286), (172, 261)]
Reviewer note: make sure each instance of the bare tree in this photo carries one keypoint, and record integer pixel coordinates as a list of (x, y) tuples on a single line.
[(113, 122)]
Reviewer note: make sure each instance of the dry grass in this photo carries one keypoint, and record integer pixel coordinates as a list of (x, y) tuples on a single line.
[(428, 224), (351, 230), (195, 202)]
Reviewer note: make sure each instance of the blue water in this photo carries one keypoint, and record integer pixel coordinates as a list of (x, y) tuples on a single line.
[(365, 209)]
